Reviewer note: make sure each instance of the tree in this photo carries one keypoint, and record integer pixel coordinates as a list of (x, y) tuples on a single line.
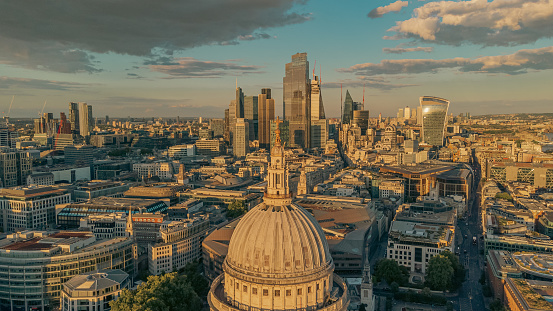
[(504, 196), (236, 209), (194, 277), (394, 287), (168, 292), (497, 306), (362, 307), (458, 269), (390, 271), (426, 292), (439, 273)]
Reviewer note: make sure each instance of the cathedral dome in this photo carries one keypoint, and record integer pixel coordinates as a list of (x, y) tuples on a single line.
[(279, 242)]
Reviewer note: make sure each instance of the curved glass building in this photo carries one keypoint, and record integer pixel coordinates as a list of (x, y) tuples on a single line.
[(434, 118)]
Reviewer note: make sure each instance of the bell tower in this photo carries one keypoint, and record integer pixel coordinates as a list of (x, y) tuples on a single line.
[(277, 174)]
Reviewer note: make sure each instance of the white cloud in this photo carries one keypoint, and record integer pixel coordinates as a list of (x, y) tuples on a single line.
[(392, 7), (499, 22)]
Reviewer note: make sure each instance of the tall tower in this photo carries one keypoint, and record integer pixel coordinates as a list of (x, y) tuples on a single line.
[(277, 173), (297, 101), (434, 119), (266, 113), (86, 121), (241, 140), (348, 109), (74, 117), (319, 124), (302, 185)]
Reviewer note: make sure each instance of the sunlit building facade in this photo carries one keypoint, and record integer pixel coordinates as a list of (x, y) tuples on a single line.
[(297, 101), (434, 118)]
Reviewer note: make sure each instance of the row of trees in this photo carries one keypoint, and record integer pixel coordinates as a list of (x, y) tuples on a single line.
[(444, 272)]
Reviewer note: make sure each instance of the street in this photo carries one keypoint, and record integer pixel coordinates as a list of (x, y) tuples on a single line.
[(470, 293)]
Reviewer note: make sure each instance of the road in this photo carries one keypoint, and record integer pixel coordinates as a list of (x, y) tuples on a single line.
[(470, 294)]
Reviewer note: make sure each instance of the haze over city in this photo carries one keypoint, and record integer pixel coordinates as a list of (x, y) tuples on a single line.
[(170, 58)]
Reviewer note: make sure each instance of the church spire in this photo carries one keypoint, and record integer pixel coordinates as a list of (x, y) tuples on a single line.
[(277, 174)]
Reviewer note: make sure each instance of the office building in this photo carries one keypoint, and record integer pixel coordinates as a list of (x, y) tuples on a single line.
[(241, 140), (319, 124), (407, 113), (49, 259), (266, 114), (80, 155), (297, 101), (94, 290), (236, 110), (361, 119), (347, 115), (69, 215), (40, 179), (434, 119), (164, 170), (99, 188), (181, 243), (210, 147), (106, 226), (181, 151), (15, 166), (218, 127), (86, 121), (251, 114), (30, 208), (74, 118)]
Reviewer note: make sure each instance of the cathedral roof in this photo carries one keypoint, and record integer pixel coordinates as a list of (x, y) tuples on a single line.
[(279, 242)]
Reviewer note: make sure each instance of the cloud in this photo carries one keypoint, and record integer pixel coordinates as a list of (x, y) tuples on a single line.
[(18, 83), (495, 23), (189, 67), (401, 50), (40, 34), (369, 82), (392, 7), (517, 63)]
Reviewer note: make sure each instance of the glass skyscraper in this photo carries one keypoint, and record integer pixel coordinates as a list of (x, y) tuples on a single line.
[(348, 109), (434, 118), (297, 101)]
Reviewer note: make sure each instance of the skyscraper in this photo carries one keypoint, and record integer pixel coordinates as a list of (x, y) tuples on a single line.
[(407, 112), (434, 118), (297, 103), (266, 113), (74, 117), (236, 110), (348, 109), (319, 124), (86, 121), (241, 140), (251, 114)]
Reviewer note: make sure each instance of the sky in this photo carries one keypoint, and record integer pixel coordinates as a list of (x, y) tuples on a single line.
[(168, 58)]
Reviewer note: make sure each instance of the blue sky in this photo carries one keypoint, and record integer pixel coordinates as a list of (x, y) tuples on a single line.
[(169, 58)]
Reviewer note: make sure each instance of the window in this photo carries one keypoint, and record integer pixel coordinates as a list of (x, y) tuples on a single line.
[(288, 292), (254, 290), (265, 292), (245, 289), (309, 290), (237, 285), (277, 293), (317, 286), (299, 291)]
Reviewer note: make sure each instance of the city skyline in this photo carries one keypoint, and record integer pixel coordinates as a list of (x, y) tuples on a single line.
[(484, 56)]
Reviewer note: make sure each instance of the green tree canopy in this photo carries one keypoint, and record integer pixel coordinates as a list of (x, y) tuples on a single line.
[(390, 271), (169, 292), (236, 209), (504, 196), (440, 272), (193, 276)]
